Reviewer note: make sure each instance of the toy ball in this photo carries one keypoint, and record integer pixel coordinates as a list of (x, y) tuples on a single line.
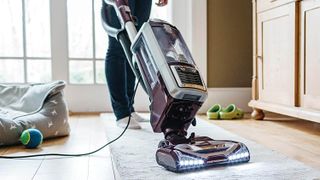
[(31, 138)]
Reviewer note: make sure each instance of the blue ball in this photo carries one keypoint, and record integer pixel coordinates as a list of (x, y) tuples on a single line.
[(31, 138)]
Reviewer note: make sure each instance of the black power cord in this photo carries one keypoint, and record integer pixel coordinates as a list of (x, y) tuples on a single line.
[(81, 154)]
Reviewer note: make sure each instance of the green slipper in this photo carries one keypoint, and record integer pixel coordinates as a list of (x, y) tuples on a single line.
[(231, 112), (213, 112)]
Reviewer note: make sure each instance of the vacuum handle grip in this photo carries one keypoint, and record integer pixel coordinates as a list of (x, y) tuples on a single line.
[(113, 32), (110, 2), (123, 12), (122, 9), (112, 29)]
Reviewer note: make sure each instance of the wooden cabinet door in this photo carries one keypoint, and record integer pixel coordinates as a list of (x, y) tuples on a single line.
[(310, 54), (276, 48)]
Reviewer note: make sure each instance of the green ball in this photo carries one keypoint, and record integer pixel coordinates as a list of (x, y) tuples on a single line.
[(31, 138)]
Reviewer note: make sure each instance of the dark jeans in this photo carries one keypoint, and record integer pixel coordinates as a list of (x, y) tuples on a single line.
[(120, 78)]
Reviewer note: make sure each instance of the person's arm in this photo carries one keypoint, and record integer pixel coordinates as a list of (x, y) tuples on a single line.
[(162, 2)]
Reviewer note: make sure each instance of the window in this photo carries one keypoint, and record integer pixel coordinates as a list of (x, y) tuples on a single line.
[(87, 42), (45, 40), (25, 52)]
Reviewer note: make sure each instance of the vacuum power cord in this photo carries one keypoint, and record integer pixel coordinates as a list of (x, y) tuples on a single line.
[(81, 154)]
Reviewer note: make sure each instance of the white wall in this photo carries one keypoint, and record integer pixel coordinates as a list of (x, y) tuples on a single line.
[(190, 17)]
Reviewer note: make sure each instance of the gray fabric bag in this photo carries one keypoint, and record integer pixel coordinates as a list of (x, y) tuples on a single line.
[(40, 106)]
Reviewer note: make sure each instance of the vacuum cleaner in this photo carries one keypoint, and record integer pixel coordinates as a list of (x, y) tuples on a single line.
[(160, 57)]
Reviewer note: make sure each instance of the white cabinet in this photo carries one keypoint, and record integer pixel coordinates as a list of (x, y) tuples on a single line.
[(310, 54), (286, 74)]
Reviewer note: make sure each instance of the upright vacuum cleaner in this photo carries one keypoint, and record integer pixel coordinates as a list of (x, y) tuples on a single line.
[(159, 55)]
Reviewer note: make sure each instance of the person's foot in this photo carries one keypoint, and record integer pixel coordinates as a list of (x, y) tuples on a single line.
[(138, 118), (122, 123)]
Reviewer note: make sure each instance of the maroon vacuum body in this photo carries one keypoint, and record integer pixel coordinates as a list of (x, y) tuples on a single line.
[(171, 78)]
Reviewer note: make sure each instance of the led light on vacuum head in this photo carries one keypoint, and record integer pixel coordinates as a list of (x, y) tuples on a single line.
[(194, 162), (240, 156), (200, 162), (182, 163)]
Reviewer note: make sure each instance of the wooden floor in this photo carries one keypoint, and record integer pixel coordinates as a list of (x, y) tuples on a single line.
[(87, 134), (295, 138)]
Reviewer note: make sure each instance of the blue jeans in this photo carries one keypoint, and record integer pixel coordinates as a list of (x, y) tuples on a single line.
[(120, 78)]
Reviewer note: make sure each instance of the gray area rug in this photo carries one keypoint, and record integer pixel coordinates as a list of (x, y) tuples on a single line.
[(134, 157)]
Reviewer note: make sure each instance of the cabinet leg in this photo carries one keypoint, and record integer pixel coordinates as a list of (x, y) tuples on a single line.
[(257, 114)]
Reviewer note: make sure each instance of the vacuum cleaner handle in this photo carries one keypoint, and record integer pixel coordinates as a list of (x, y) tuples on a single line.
[(125, 18), (125, 30), (122, 9), (110, 2), (112, 31)]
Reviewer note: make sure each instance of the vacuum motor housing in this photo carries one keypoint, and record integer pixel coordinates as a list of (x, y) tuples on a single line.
[(170, 76)]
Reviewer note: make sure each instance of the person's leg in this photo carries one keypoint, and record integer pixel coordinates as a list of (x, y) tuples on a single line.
[(115, 70), (141, 10), (120, 78), (116, 80)]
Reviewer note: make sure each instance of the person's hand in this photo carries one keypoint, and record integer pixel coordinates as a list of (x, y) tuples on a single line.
[(162, 3)]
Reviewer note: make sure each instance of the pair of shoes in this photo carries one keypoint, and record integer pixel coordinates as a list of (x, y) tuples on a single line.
[(134, 121), (230, 112)]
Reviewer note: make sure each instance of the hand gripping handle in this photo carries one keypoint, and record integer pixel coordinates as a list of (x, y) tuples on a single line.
[(123, 13)]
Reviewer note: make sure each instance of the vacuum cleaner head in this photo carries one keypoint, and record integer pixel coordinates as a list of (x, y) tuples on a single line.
[(200, 153)]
